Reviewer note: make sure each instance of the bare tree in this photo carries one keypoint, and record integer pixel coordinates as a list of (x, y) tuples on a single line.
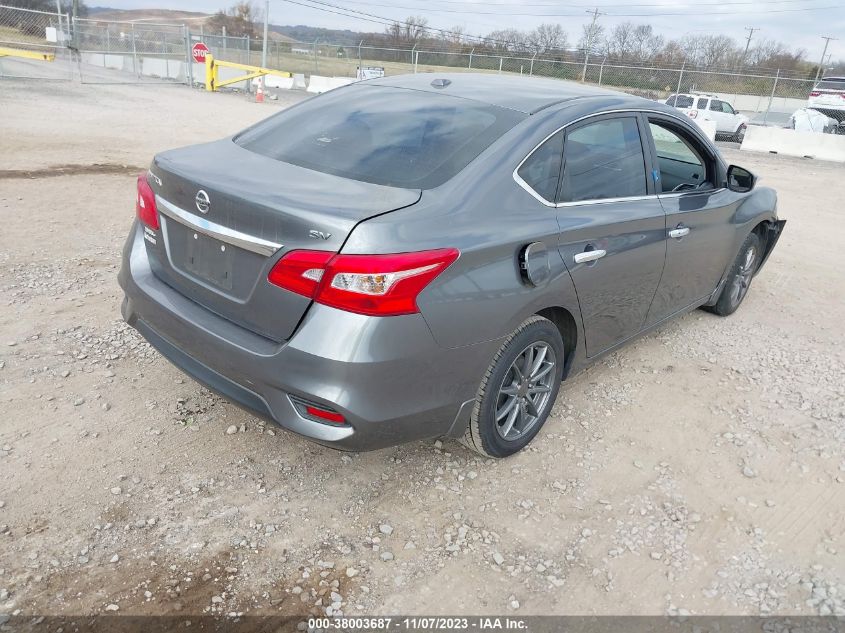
[(240, 19), (507, 40), (547, 37), (619, 42), (645, 43), (592, 36)]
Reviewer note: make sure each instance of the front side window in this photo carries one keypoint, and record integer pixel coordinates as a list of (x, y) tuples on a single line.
[(702, 104), (603, 160), (381, 135), (682, 164), (541, 170), (727, 108)]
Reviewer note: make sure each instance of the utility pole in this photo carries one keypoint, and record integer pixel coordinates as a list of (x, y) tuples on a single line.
[(824, 52), (266, 23), (590, 34), (750, 30)]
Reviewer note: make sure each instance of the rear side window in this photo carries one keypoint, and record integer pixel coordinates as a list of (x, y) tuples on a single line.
[(541, 170), (381, 135), (702, 104), (682, 101), (604, 160)]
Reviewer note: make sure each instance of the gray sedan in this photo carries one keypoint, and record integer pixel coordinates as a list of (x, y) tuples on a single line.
[(432, 255)]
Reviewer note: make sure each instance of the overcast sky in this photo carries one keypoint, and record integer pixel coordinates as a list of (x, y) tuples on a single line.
[(800, 23)]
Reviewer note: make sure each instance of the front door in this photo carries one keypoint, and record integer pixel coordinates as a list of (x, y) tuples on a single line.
[(699, 233), (613, 230)]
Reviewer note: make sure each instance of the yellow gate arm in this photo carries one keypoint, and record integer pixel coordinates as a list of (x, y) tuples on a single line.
[(212, 66), (16, 52)]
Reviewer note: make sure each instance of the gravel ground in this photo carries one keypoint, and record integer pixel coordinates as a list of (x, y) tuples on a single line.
[(699, 470)]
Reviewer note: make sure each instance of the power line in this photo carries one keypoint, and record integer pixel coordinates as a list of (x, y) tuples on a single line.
[(555, 5), (620, 15)]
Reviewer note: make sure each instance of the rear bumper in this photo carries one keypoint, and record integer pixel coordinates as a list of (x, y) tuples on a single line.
[(387, 376)]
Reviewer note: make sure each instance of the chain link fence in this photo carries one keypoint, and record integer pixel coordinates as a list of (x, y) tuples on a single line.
[(23, 31), (131, 52), (111, 52)]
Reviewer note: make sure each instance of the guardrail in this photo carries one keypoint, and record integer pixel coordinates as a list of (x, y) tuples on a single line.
[(16, 52)]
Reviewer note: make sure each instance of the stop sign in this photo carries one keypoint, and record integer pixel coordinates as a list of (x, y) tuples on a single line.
[(198, 51)]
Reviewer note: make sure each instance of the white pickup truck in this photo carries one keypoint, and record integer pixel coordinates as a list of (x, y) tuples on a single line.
[(709, 107)]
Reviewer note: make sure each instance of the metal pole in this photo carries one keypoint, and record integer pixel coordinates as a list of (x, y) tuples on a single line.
[(416, 61), (413, 52), (601, 69), (316, 69), (824, 52), (266, 24), (189, 76), (531, 68), (225, 43), (501, 60), (470, 58), (772, 96), (681, 75), (360, 63), (134, 53)]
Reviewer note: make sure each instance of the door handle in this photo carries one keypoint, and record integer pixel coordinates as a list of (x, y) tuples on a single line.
[(679, 232), (589, 256)]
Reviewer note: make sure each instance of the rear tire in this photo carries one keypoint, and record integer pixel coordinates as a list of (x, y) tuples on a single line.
[(739, 277), (518, 390), (740, 134)]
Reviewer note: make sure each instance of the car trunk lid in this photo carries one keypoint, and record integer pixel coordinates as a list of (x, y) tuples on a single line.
[(228, 214)]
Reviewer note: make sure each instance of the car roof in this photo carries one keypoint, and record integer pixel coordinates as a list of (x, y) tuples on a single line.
[(525, 94)]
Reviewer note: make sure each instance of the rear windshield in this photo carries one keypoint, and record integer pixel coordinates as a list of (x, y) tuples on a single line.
[(831, 84), (386, 136)]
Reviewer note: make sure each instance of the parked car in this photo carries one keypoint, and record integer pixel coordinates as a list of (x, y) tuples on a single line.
[(405, 258), (828, 97), (707, 107)]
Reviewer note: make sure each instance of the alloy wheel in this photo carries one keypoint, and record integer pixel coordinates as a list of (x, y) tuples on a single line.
[(742, 278), (525, 393)]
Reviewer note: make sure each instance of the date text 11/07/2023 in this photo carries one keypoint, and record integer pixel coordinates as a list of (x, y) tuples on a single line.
[(418, 623)]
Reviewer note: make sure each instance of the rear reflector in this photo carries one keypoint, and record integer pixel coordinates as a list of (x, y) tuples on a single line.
[(145, 203), (317, 412), (376, 285), (323, 414)]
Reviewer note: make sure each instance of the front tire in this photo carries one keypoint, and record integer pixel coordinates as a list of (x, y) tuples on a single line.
[(518, 390), (740, 276), (739, 136)]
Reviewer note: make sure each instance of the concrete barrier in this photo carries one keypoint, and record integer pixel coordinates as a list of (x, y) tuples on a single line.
[(282, 83), (299, 82), (708, 127), (318, 84), (794, 143)]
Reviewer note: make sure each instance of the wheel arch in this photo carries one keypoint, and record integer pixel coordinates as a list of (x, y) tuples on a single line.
[(566, 324)]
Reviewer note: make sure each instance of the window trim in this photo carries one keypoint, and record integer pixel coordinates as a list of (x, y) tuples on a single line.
[(712, 156), (647, 149), (643, 149)]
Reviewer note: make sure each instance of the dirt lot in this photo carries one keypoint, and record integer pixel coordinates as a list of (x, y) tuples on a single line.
[(701, 469)]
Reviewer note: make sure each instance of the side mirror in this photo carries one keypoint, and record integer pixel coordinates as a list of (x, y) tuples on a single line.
[(740, 179)]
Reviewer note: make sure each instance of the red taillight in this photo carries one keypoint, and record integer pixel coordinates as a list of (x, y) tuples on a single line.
[(145, 203), (300, 271), (815, 93), (324, 414), (376, 285), (692, 114)]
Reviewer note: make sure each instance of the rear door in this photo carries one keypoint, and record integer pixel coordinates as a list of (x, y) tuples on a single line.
[(723, 114), (699, 233), (612, 227)]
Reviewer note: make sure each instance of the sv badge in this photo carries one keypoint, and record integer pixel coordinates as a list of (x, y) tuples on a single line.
[(319, 235)]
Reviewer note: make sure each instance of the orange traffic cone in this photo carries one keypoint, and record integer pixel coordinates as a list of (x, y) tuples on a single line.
[(259, 92)]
